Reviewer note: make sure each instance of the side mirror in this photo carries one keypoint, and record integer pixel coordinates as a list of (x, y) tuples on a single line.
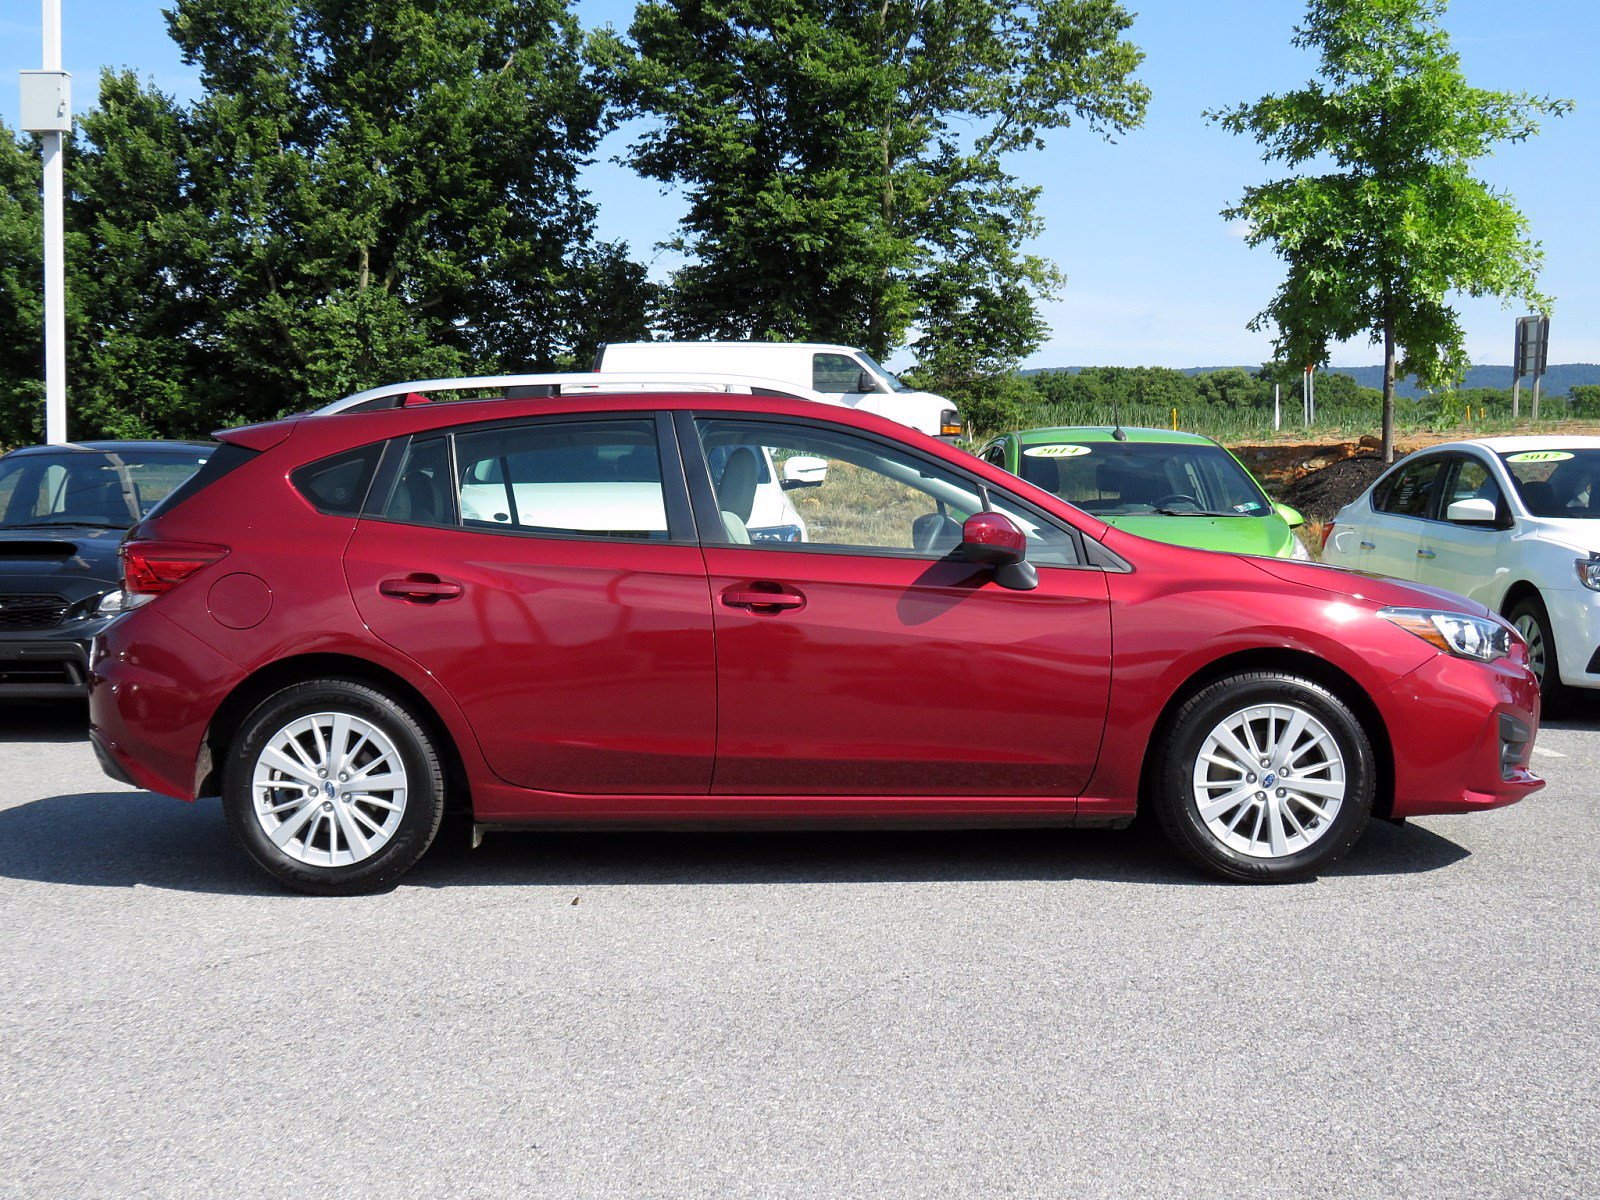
[(991, 540), (866, 382), (1475, 511), (1290, 515), (804, 471)]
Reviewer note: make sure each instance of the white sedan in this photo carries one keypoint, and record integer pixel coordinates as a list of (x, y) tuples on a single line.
[(1512, 522)]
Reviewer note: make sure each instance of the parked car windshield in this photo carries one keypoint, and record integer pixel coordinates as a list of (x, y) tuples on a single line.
[(1122, 478), (1554, 482), (99, 489)]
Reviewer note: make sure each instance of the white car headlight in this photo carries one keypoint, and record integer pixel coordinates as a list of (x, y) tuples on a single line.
[(1461, 634), (1589, 572), (1300, 553)]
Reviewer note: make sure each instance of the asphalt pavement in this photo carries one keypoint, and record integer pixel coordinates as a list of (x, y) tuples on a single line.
[(1051, 1014)]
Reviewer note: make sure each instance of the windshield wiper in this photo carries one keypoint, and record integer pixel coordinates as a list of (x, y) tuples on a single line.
[(1194, 512)]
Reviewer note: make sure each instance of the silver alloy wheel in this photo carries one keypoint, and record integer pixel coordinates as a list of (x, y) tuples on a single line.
[(1528, 626), (329, 789), (1269, 780)]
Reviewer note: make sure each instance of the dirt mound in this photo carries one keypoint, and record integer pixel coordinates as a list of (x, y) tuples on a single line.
[(1320, 494)]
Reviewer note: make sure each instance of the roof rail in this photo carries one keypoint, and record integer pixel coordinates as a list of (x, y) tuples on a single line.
[(396, 395)]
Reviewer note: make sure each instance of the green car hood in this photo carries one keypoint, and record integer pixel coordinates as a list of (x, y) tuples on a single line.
[(1268, 536)]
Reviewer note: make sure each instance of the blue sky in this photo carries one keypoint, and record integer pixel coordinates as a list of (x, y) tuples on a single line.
[(1155, 276)]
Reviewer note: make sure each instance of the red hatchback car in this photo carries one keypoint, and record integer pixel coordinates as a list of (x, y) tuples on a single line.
[(552, 612)]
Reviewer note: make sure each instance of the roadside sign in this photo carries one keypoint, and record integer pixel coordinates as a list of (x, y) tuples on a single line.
[(1533, 346)]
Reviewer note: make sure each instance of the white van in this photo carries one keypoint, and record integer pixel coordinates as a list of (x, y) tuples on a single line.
[(843, 373)]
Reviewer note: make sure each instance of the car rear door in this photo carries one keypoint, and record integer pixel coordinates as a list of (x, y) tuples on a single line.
[(1389, 540), (545, 572), (871, 660)]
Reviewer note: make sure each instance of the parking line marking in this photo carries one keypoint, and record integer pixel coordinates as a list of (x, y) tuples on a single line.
[(1548, 753)]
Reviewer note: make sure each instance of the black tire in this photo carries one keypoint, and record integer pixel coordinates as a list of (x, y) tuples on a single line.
[(421, 810), (1172, 791), (1554, 696)]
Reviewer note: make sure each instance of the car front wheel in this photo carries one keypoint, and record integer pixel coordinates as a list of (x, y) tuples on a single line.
[(1531, 619), (332, 787), (1263, 777)]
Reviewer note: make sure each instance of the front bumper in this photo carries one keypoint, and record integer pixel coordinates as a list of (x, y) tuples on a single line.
[(1461, 733), (48, 664), (1575, 622)]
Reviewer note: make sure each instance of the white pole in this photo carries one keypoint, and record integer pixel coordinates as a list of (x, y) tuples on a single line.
[(1277, 407), (55, 307)]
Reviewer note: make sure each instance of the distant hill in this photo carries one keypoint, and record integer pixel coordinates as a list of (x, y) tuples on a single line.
[(1557, 379)]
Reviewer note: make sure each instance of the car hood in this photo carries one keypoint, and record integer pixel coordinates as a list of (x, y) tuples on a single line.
[(1577, 533), (1266, 535), (1372, 589), (71, 560)]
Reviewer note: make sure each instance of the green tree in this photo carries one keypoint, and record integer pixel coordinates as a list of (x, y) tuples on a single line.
[(1583, 399), (21, 294), (1377, 244), (842, 161), (391, 189)]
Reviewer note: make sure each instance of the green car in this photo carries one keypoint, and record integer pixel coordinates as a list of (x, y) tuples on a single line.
[(1173, 487)]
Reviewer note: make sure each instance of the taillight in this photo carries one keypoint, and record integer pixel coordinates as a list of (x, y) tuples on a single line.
[(1327, 532), (150, 567)]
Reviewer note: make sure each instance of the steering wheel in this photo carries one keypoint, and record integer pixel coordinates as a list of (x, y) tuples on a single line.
[(1176, 497)]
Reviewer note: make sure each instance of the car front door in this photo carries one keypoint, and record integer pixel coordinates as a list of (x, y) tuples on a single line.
[(1459, 557), (872, 660), (546, 574)]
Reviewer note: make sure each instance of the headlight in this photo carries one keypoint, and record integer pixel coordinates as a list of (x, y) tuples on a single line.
[(111, 604), (1589, 572), (1300, 552), (1460, 634)]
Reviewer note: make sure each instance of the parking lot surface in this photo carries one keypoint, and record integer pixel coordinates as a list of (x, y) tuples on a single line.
[(1055, 1013)]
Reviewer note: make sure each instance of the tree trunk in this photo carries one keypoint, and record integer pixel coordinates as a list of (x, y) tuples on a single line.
[(1388, 391)]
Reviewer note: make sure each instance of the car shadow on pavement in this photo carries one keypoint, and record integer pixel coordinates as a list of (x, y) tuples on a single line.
[(44, 721), (128, 839)]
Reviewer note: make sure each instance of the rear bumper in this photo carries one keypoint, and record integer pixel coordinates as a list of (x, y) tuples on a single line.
[(1461, 733), (153, 689)]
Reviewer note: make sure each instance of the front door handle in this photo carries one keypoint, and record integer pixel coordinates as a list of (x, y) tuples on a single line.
[(762, 596), (1368, 546), (420, 588), (1426, 554)]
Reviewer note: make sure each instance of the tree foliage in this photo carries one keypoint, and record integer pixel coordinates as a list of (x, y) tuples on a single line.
[(366, 190), (1379, 241), (843, 161)]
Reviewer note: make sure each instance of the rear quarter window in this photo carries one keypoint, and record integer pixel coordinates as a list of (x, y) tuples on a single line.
[(338, 484)]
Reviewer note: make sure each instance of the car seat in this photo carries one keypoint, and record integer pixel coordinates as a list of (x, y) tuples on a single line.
[(736, 494), (1540, 498)]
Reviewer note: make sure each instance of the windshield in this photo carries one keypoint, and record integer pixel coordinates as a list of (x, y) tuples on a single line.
[(894, 384), (1556, 482), (1123, 478), (91, 488)]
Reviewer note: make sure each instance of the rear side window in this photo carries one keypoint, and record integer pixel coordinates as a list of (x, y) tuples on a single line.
[(224, 460), (1412, 490), (339, 484)]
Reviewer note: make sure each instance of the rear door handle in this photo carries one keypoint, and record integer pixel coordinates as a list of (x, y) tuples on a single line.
[(1368, 546), (420, 588), (761, 595), (1426, 554)]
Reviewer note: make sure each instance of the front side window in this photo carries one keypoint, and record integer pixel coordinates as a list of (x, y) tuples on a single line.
[(855, 494), (1412, 490), (577, 478), (1471, 480), (835, 373)]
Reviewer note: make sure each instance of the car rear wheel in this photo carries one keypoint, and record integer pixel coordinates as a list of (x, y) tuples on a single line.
[(1263, 777), (332, 787), (1531, 619)]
